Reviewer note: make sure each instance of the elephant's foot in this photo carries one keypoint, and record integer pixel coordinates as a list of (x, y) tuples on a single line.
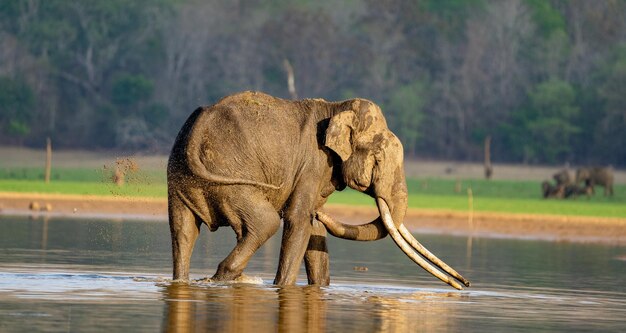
[(249, 279), (205, 280), (240, 279)]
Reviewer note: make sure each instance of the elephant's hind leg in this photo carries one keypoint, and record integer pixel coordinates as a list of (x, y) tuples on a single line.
[(259, 221), (184, 228)]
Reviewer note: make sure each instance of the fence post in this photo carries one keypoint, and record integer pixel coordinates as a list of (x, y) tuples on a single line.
[(470, 221), (488, 166), (48, 160)]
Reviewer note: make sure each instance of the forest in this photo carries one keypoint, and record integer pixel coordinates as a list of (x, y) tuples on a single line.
[(544, 79)]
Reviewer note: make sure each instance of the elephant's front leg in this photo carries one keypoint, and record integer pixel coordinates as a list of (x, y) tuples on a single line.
[(316, 258), (296, 234)]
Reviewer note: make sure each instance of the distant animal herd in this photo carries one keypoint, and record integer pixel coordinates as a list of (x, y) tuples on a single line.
[(583, 184)]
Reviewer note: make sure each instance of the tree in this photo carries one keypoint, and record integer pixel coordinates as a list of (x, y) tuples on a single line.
[(308, 40), (549, 122), (405, 113), (17, 103), (125, 74), (610, 134), (82, 47), (129, 90)]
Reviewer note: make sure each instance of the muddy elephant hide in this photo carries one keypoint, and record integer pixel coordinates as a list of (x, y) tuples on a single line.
[(252, 160)]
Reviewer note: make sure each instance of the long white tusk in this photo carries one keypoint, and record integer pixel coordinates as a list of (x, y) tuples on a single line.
[(406, 248), (406, 234)]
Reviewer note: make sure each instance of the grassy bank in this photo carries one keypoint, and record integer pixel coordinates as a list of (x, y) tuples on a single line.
[(522, 197), (87, 187), (505, 196)]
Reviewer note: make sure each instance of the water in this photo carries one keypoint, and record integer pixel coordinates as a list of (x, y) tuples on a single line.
[(73, 275)]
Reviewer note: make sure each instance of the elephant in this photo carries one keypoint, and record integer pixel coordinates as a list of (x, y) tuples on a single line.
[(552, 191), (562, 177), (252, 160), (592, 176), (573, 190)]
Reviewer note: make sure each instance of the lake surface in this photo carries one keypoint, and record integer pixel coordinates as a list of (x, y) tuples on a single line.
[(84, 275)]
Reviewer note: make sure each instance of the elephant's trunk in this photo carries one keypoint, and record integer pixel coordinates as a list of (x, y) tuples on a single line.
[(371, 231)]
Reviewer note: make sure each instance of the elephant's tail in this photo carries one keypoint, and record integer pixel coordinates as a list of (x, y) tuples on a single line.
[(193, 153)]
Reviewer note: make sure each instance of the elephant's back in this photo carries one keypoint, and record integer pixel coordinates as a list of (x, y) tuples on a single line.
[(247, 135), (176, 161)]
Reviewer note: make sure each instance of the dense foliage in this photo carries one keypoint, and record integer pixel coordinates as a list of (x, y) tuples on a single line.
[(546, 79)]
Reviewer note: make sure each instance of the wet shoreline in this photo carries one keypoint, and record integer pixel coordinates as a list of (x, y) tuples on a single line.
[(581, 229)]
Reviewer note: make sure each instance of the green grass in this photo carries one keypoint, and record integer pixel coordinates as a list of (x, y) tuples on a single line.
[(579, 207), (80, 174), (498, 196), (488, 196), (77, 187)]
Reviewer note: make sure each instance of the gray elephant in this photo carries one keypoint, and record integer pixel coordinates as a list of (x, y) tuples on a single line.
[(562, 177), (552, 191), (593, 176), (252, 159), (574, 190)]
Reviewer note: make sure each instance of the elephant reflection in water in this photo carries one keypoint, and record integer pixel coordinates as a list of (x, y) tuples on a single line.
[(250, 308), (417, 312), (243, 308)]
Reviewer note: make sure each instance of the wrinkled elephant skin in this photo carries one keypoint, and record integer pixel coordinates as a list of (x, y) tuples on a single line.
[(252, 160), (593, 176)]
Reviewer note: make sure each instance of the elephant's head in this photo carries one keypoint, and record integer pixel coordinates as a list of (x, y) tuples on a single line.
[(372, 162), (371, 157)]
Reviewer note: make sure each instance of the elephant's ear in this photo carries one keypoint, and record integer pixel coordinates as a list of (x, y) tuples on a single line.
[(339, 134)]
